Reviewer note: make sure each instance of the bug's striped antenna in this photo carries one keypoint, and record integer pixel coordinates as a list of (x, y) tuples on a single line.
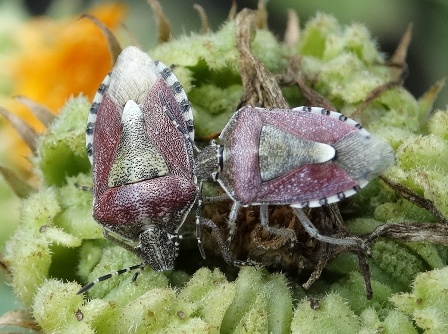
[(90, 285)]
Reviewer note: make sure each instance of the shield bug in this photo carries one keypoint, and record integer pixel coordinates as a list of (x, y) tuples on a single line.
[(139, 140), (304, 157)]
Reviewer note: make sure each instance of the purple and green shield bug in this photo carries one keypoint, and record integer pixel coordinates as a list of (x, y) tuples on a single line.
[(139, 141), (304, 157)]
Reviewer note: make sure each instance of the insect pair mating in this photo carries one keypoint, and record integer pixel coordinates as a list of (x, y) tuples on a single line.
[(140, 142)]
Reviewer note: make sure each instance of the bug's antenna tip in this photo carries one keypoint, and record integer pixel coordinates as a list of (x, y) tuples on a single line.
[(85, 288)]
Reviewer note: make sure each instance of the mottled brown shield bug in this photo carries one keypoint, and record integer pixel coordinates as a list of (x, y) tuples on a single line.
[(305, 157), (139, 140)]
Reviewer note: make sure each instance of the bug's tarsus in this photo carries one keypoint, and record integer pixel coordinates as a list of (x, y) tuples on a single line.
[(134, 277), (222, 244), (86, 288)]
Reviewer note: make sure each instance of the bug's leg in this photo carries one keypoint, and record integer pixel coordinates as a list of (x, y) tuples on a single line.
[(83, 188), (175, 237), (312, 231), (282, 232), (199, 218), (233, 215), (138, 272), (198, 222), (198, 235), (222, 244), (218, 198), (233, 212), (202, 200)]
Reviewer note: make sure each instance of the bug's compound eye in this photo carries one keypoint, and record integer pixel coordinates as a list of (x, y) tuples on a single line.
[(157, 248)]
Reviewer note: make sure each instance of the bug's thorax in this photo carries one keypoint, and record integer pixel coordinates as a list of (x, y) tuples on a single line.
[(134, 74), (208, 162)]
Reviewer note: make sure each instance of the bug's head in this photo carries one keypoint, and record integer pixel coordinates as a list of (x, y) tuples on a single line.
[(157, 248), (208, 161)]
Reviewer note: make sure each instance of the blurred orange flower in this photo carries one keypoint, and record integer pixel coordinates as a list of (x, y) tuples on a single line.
[(56, 60)]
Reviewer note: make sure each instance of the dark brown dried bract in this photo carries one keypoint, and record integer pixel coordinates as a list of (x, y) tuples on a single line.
[(18, 185), (205, 27), (114, 46), (42, 113), (26, 132), (164, 32)]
